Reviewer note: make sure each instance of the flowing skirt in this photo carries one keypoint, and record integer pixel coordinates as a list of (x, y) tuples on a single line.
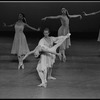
[(49, 59), (20, 46), (63, 30)]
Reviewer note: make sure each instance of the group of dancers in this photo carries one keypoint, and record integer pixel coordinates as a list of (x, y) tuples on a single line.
[(45, 48)]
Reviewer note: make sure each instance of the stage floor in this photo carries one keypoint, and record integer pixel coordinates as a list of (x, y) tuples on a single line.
[(78, 77)]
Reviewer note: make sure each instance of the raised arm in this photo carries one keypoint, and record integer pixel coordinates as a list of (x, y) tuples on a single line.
[(74, 16), (90, 13), (5, 25), (51, 17), (32, 27)]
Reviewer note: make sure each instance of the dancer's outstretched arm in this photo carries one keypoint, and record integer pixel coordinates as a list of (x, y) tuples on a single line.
[(11, 25), (32, 27), (74, 16), (51, 17), (85, 14)]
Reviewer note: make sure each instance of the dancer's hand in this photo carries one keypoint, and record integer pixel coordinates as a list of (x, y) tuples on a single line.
[(68, 34), (38, 29), (80, 17), (84, 14), (4, 24), (44, 18)]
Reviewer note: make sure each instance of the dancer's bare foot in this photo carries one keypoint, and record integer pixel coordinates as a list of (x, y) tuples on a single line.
[(64, 59), (42, 85), (45, 81), (51, 78)]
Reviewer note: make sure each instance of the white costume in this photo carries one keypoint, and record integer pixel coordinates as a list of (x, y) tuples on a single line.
[(48, 59)]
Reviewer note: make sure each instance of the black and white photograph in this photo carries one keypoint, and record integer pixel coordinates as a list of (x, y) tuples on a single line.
[(49, 49)]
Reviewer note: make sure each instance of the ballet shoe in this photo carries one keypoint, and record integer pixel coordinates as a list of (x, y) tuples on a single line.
[(51, 78), (21, 66)]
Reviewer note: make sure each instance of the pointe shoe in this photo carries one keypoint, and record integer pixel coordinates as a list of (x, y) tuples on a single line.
[(51, 78), (22, 66), (19, 66)]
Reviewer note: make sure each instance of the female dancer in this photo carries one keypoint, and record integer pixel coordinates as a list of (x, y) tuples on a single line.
[(20, 46), (64, 29), (43, 62), (85, 14)]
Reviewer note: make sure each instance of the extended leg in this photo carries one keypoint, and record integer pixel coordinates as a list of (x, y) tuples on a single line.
[(41, 75), (64, 56), (49, 74)]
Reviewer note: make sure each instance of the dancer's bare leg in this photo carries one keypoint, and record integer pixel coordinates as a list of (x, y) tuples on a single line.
[(64, 56), (60, 41), (49, 74), (45, 76), (60, 57), (41, 75)]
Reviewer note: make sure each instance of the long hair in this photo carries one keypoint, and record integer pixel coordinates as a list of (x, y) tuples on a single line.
[(24, 19)]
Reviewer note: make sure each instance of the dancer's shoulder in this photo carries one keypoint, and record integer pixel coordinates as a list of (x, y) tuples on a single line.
[(41, 40)]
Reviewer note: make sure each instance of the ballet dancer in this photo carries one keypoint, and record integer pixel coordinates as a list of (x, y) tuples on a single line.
[(63, 30), (44, 51), (93, 13), (20, 46)]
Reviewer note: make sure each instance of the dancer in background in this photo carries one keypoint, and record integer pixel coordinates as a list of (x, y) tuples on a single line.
[(20, 46), (63, 30), (93, 13), (46, 57)]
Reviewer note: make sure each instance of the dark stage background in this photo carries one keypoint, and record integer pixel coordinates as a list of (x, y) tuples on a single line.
[(87, 28)]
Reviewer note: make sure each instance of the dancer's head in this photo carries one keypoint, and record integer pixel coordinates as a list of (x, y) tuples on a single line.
[(46, 32), (64, 11), (22, 17)]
